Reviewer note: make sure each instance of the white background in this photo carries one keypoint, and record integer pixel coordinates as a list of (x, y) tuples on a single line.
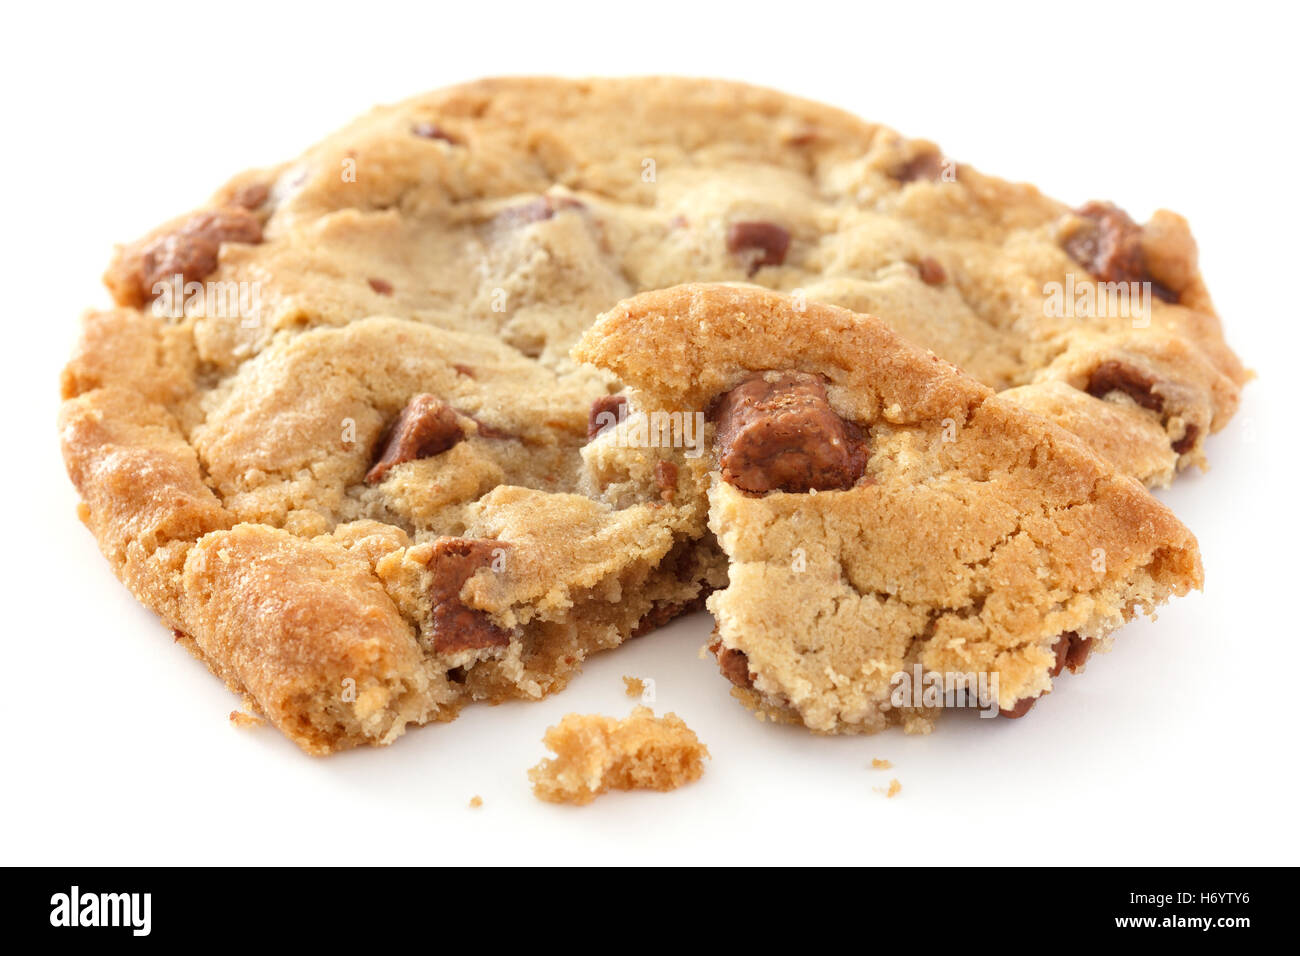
[(1176, 748)]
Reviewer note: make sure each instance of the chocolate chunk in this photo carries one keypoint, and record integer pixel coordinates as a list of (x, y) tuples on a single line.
[(488, 431), (1071, 651), (1021, 708), (191, 251), (932, 273), (605, 411), (1113, 376), (1062, 651), (381, 286), (666, 479), (926, 166), (537, 210), (733, 664), (464, 370), (783, 435), (1109, 245), (456, 626), (1077, 655), (1188, 441), (193, 258), (663, 612), (427, 426), (432, 131), (251, 197), (759, 243)]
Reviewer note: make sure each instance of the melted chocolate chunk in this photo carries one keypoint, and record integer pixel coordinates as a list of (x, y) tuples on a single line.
[(537, 210), (1062, 651), (1113, 376), (1071, 652), (733, 664), (1022, 707), (427, 426), (381, 286), (665, 611), (1188, 441), (759, 243), (606, 411), (191, 251), (455, 626), (1109, 245), (927, 166), (782, 435), (932, 273), (1078, 649)]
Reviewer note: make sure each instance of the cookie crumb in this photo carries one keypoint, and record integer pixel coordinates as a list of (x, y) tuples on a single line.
[(894, 788), (475, 802), (878, 764), (633, 686), (245, 721), (594, 754)]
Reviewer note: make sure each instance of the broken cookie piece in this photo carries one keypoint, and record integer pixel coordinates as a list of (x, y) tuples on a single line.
[(884, 514), (595, 754)]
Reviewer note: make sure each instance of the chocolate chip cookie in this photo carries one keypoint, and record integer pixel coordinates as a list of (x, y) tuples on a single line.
[(882, 513), (332, 434)]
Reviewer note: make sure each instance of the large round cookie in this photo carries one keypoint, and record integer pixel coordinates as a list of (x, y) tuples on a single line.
[(331, 433)]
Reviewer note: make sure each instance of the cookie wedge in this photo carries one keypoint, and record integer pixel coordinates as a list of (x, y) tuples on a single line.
[(882, 512)]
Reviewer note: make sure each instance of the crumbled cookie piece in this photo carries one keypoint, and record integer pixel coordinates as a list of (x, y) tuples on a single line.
[(245, 721), (633, 686), (475, 802), (594, 754), (878, 764), (892, 790)]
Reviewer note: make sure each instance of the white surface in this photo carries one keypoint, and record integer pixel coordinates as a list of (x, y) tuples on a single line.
[(1176, 748)]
